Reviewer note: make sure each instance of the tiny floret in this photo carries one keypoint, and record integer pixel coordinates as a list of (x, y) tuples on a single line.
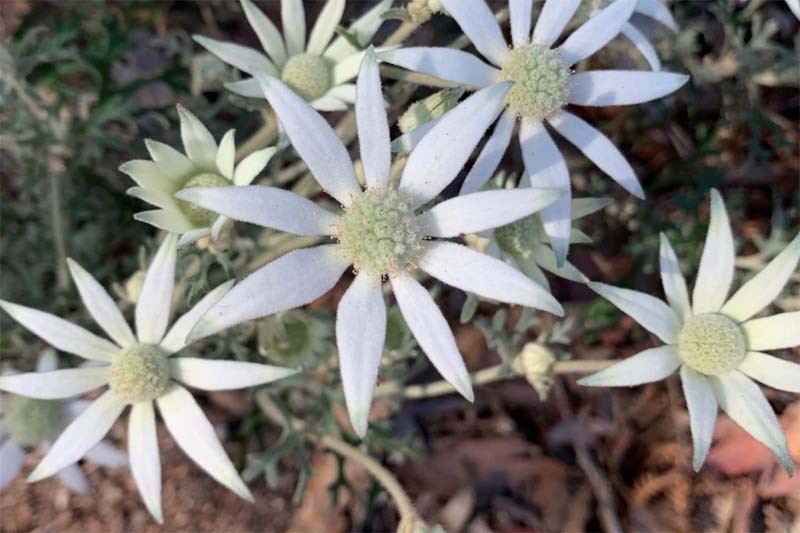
[(519, 237), (139, 374), (541, 81), (308, 75), (199, 215), (379, 232), (711, 343), (29, 421)]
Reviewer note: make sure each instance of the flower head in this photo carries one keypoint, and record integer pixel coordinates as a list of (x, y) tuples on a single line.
[(141, 371), (28, 423), (543, 82), (380, 232), (205, 165), (318, 70), (714, 340)]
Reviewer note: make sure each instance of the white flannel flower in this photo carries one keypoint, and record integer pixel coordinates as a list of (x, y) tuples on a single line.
[(543, 83), (139, 371), (204, 165), (379, 233), (33, 423), (317, 71), (653, 9), (715, 342)]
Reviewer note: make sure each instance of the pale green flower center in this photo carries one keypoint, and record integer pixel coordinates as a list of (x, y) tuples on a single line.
[(379, 232), (519, 237), (200, 216), (308, 75), (711, 343), (140, 373), (541, 81), (29, 421)]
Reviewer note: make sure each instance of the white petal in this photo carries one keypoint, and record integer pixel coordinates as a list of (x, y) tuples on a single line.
[(325, 27), (47, 362), (491, 154), (269, 207), (363, 29), (73, 477), (250, 167), (485, 276), (61, 334), (56, 384), (622, 87), (172, 221), (315, 141), (596, 32), (210, 374), (715, 273), (152, 196), (445, 64), (478, 23), (656, 10), (553, 19), (104, 454), (702, 407), (546, 167), (520, 21), (12, 457), (644, 367), (293, 19), (347, 69), (216, 227), (772, 371), (773, 332), (439, 158), (268, 35), (249, 88), (226, 155), (198, 142), (744, 402), (81, 435), (432, 332), (484, 210), (599, 149), (345, 92), (175, 340), (765, 286), (242, 57), (152, 309), (654, 315), (328, 103), (100, 305), (147, 175), (145, 463), (373, 128), (409, 140), (193, 236), (674, 284), (194, 434), (360, 334), (295, 279), (173, 164), (644, 46)]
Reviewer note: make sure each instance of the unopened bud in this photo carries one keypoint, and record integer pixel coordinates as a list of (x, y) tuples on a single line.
[(429, 108), (535, 362)]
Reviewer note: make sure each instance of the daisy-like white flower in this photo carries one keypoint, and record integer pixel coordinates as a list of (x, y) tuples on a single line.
[(318, 70), (204, 165), (652, 9), (379, 233), (139, 371), (32, 423), (715, 341), (543, 83)]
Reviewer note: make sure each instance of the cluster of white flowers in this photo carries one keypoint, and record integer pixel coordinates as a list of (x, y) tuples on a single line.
[(394, 227)]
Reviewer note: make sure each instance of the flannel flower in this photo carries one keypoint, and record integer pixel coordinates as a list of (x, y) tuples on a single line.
[(317, 71), (379, 233), (205, 164), (715, 341), (139, 371), (543, 83), (33, 423)]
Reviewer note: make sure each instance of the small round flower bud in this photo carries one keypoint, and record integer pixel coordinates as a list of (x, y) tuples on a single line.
[(139, 374), (535, 362), (201, 216), (541, 81), (519, 237), (29, 421), (308, 75), (429, 108), (711, 343)]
